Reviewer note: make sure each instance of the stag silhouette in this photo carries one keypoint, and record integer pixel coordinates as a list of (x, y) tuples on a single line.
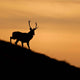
[(24, 37)]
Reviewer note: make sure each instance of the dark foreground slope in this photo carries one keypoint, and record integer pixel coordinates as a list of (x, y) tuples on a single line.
[(15, 55)]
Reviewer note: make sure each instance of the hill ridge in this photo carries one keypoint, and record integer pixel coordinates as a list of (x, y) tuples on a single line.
[(12, 54)]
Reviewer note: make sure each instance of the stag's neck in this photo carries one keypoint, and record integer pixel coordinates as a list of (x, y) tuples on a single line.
[(30, 33)]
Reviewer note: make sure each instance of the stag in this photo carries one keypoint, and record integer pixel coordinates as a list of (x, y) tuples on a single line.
[(24, 37)]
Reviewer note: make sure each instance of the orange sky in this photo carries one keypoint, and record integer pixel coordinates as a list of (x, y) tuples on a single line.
[(58, 35)]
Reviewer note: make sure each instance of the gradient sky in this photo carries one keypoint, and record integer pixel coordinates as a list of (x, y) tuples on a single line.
[(58, 35)]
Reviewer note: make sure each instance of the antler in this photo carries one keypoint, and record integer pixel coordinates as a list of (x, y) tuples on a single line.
[(35, 25), (29, 24)]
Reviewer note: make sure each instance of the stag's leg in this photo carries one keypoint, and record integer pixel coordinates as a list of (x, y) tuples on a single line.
[(16, 42), (22, 44), (28, 45)]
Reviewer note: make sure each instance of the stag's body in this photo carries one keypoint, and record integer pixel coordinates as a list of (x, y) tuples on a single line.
[(23, 37)]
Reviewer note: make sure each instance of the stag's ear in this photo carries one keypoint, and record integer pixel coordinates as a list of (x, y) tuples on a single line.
[(30, 29)]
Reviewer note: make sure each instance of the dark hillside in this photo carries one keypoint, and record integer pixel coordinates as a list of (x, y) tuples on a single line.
[(15, 55)]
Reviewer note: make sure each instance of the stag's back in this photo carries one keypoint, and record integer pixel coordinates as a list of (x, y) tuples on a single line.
[(25, 37), (16, 35), (19, 35)]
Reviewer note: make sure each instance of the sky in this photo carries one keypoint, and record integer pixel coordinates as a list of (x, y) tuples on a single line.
[(58, 35)]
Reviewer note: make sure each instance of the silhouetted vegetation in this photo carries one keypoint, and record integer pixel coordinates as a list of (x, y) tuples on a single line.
[(15, 55)]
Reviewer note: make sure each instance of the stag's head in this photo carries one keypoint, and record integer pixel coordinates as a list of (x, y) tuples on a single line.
[(32, 29)]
